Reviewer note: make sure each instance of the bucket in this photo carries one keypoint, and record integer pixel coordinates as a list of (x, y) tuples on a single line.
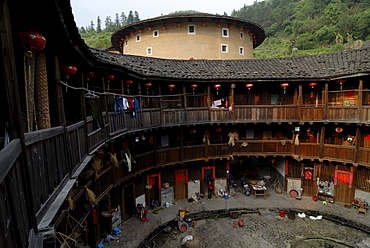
[(183, 227), (282, 213), (182, 213), (291, 215)]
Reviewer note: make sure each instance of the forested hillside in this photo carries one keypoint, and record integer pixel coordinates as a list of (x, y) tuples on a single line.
[(299, 27), (293, 27)]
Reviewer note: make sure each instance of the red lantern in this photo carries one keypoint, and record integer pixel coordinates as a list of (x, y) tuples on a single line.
[(128, 82), (140, 31), (218, 130), (171, 86), (179, 24), (247, 31), (341, 82), (204, 24), (150, 28), (69, 71), (218, 25), (249, 86), (148, 85), (193, 86), (32, 41), (110, 78), (164, 28), (284, 85), (312, 85), (217, 86), (89, 75), (240, 28)]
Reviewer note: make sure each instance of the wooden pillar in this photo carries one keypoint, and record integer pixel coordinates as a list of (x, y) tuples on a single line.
[(325, 100), (300, 102), (42, 93), (231, 102), (83, 109), (185, 104), (360, 100), (322, 141), (209, 102)]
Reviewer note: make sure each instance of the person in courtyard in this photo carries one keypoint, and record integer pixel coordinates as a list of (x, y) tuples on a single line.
[(210, 189), (155, 203)]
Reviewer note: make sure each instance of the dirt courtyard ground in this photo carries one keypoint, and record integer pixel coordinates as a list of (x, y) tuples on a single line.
[(263, 231)]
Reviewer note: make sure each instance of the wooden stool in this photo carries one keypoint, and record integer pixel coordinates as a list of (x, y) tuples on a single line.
[(361, 209), (347, 205)]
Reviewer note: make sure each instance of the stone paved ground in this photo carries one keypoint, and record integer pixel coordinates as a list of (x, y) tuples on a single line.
[(271, 229)]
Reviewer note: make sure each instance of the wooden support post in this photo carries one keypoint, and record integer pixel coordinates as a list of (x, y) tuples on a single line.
[(325, 101), (300, 103), (83, 110), (360, 100)]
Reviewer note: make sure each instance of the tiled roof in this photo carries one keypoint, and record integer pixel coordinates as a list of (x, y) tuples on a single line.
[(321, 66)]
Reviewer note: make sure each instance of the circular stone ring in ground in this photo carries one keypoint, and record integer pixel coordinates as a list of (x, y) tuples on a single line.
[(263, 230)]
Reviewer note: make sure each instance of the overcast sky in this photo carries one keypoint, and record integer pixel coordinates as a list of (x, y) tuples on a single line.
[(86, 11)]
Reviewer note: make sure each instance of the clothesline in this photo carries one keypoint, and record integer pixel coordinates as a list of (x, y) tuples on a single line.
[(116, 94)]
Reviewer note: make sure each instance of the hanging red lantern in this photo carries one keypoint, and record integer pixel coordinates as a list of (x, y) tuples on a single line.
[(150, 28), (204, 24), (128, 82), (140, 31), (148, 85), (110, 78), (240, 29), (69, 71), (284, 85), (249, 86), (179, 24), (338, 129), (32, 41), (217, 86), (218, 130), (247, 31), (312, 85), (341, 83), (89, 75), (164, 28), (193, 131), (193, 86), (218, 25), (171, 86)]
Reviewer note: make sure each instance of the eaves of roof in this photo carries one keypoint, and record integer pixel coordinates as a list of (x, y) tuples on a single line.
[(322, 66)]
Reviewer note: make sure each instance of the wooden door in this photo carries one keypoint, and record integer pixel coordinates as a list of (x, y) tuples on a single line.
[(154, 192), (181, 184), (344, 186), (309, 185)]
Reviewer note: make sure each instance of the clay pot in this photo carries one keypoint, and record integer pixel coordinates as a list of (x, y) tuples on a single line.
[(315, 198)]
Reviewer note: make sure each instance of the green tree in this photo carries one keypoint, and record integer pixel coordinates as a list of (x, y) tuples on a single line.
[(123, 19), (117, 23), (98, 25), (130, 17), (136, 17)]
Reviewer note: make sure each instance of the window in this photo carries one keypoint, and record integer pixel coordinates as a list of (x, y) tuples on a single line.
[(224, 48), (155, 33), (241, 50), (250, 40), (126, 42), (225, 32), (149, 51), (191, 29), (138, 38), (241, 35)]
